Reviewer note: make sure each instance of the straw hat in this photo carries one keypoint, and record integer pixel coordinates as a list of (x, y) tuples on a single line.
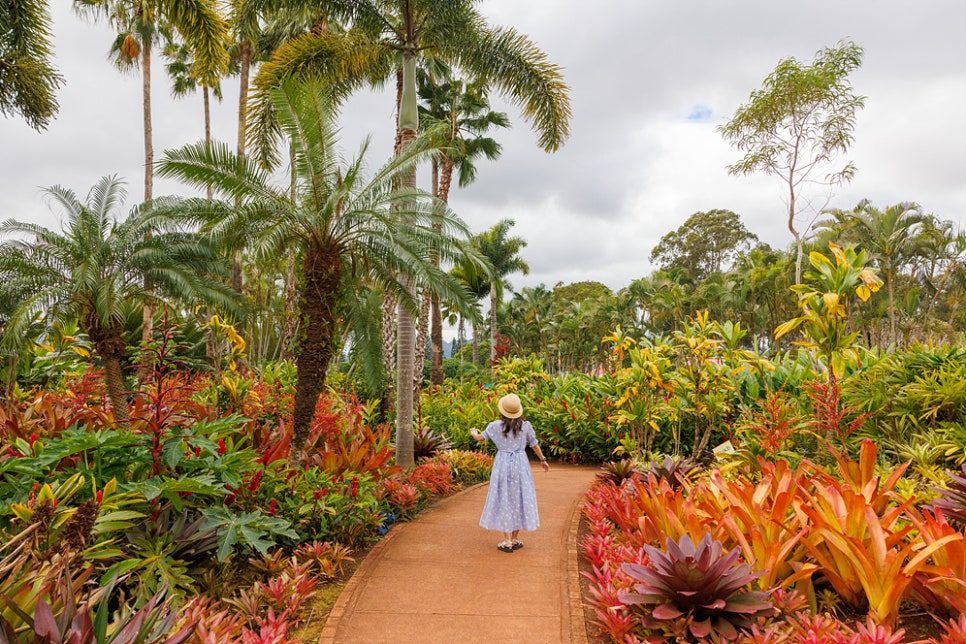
[(510, 406)]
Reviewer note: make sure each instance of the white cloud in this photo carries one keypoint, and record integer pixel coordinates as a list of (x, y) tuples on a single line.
[(649, 83)]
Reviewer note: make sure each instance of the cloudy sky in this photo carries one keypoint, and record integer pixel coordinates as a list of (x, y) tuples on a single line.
[(650, 81)]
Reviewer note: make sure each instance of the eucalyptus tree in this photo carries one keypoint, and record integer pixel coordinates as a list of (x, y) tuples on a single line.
[(97, 265), (347, 227), (796, 125), (460, 113), (28, 80), (383, 36)]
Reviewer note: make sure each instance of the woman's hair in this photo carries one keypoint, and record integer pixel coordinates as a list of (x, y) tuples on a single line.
[(512, 425)]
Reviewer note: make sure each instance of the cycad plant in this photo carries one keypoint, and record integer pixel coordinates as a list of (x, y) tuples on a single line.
[(352, 231)]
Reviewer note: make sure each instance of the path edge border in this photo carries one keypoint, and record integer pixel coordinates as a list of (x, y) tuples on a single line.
[(578, 626)]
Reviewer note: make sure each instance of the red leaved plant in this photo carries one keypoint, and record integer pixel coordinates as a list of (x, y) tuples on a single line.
[(761, 519)]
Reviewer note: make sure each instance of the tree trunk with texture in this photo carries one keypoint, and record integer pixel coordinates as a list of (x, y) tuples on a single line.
[(441, 190), (419, 355), (147, 329), (492, 324), (291, 320), (388, 349), (317, 306), (436, 375), (111, 347), (405, 338)]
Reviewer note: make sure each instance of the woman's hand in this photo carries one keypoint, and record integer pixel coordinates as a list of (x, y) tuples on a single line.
[(475, 433), (545, 465)]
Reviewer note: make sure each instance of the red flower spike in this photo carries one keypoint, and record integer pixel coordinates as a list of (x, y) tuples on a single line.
[(221, 446)]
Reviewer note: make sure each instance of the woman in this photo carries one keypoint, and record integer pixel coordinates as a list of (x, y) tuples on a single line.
[(511, 503)]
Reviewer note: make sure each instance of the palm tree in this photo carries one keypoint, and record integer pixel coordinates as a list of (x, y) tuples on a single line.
[(140, 25), (347, 228), (98, 265), (530, 309), (475, 280), (503, 253), (460, 113), (184, 81), (28, 81), (886, 235), (379, 34)]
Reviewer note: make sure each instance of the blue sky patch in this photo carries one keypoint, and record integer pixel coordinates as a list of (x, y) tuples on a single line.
[(699, 113)]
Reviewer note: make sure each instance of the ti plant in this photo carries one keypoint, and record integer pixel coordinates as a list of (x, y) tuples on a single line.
[(696, 590), (825, 301), (154, 623)]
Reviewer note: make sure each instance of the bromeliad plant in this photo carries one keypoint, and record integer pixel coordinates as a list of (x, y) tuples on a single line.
[(696, 590), (952, 498)]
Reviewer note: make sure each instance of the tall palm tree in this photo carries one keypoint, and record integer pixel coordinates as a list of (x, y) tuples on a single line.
[(475, 279), (460, 113), (140, 25), (97, 265), (380, 34), (503, 253), (184, 80), (347, 227), (28, 80)]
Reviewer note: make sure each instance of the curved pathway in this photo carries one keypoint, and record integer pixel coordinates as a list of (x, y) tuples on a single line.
[(441, 579)]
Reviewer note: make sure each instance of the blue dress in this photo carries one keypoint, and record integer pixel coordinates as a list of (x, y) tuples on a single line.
[(511, 502)]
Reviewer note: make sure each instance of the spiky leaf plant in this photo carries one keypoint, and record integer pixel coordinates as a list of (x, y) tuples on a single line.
[(673, 470), (952, 498), (696, 590), (618, 471), (426, 443)]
